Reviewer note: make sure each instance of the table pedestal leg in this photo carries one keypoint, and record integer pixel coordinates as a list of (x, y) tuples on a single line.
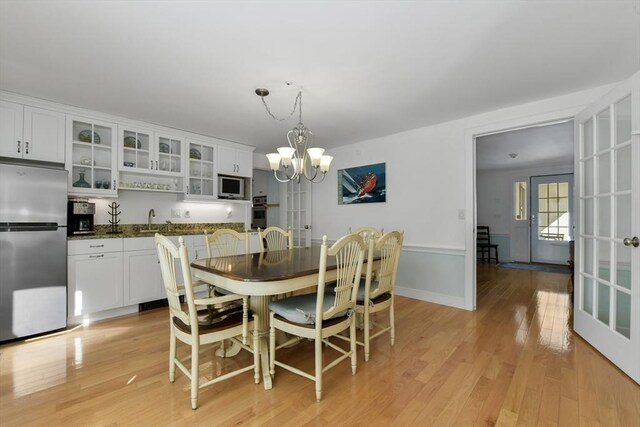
[(260, 306)]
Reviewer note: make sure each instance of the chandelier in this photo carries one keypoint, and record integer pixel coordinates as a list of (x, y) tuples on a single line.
[(299, 159)]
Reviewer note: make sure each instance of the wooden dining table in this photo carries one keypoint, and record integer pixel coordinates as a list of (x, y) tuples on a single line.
[(262, 275)]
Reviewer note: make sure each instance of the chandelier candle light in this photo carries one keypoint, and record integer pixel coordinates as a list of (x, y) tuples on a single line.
[(299, 159)]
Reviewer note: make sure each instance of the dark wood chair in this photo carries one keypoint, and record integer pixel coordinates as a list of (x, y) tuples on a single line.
[(484, 245)]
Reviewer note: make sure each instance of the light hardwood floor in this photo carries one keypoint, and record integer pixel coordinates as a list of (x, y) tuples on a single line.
[(514, 361)]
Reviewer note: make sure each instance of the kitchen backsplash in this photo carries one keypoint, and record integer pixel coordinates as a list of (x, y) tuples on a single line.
[(135, 206)]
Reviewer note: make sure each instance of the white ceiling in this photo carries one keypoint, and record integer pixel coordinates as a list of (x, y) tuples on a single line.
[(367, 69), (538, 145)]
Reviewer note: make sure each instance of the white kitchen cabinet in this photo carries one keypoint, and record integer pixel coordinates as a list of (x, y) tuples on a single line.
[(106, 274), (142, 278), (235, 162), (201, 170), (31, 133), (94, 275), (169, 155), (92, 157), (137, 149)]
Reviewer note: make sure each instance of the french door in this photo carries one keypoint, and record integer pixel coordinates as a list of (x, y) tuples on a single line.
[(297, 202), (551, 218), (607, 291)]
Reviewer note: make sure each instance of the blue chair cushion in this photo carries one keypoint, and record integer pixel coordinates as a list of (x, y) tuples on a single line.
[(301, 308), (331, 288)]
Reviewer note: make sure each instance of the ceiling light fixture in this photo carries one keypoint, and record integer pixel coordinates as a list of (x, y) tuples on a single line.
[(299, 159)]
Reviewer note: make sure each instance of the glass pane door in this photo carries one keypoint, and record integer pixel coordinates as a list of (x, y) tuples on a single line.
[(299, 211), (607, 307)]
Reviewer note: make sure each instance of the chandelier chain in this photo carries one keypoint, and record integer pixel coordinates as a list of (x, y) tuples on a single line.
[(297, 104)]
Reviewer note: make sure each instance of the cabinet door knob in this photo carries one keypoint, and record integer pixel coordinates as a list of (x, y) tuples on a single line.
[(151, 164), (18, 146), (156, 165), (26, 147), (114, 184)]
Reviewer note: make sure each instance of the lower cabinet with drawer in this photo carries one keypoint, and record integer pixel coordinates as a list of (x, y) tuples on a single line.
[(94, 275), (118, 273), (142, 276)]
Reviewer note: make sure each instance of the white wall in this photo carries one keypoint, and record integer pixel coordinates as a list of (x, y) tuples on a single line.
[(430, 174)]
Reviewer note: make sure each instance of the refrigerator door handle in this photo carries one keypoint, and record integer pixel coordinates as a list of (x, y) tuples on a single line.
[(28, 226)]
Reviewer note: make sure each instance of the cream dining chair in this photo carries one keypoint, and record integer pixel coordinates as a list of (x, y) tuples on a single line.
[(275, 239), (225, 242), (367, 233), (201, 327), (318, 316), (376, 291)]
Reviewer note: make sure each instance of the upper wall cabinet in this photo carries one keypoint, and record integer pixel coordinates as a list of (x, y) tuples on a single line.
[(136, 149), (201, 184), (91, 157), (169, 155), (31, 133), (145, 152), (236, 162)]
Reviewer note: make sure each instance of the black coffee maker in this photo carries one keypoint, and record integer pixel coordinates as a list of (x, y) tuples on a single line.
[(80, 217)]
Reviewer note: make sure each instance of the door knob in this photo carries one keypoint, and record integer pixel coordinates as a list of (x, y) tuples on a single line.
[(635, 242)]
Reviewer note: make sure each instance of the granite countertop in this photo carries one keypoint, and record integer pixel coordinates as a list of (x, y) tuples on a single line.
[(133, 230)]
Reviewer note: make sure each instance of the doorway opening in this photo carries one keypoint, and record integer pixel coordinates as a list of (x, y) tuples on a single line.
[(517, 193)]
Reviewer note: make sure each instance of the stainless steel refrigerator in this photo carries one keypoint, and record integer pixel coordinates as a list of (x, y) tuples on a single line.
[(33, 249)]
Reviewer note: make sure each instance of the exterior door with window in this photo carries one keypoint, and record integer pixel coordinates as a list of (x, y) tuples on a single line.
[(297, 211), (607, 288), (551, 218)]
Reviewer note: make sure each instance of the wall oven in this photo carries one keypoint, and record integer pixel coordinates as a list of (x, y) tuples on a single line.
[(259, 212)]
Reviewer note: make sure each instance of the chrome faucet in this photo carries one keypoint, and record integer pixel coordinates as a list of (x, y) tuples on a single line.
[(152, 213)]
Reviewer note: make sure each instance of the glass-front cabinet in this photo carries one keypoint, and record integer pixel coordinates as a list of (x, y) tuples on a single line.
[(169, 155), (91, 157), (136, 149), (201, 171), (150, 161)]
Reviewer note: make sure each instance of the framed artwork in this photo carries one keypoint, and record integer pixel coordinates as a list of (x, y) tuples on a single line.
[(362, 184)]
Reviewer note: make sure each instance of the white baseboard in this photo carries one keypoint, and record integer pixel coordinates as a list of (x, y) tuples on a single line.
[(434, 297), (106, 314)]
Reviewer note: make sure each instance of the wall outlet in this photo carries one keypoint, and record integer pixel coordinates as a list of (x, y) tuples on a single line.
[(176, 213), (460, 213), (187, 214)]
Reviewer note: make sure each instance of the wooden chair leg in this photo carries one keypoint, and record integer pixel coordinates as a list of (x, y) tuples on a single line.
[(195, 360), (354, 359), (318, 348), (172, 356), (392, 323), (256, 351), (367, 331), (272, 349)]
